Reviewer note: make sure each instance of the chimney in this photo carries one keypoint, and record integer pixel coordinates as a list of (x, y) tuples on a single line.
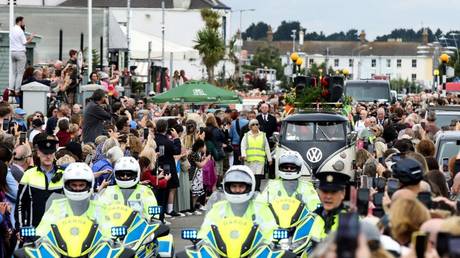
[(425, 36), (269, 34), (362, 37), (301, 36)]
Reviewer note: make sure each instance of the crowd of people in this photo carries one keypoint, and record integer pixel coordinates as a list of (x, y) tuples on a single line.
[(183, 156)]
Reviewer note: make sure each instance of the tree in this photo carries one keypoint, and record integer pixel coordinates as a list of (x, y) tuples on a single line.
[(234, 59), (256, 31), (284, 31), (209, 43), (269, 57)]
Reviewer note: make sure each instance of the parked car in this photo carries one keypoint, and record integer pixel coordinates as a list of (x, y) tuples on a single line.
[(447, 146), (445, 114)]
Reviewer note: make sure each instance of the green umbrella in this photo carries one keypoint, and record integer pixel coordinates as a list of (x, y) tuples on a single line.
[(197, 92)]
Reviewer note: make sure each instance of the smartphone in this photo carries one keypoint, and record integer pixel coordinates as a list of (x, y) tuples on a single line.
[(146, 133), (166, 169), (6, 125), (364, 181), (442, 243), (382, 160), (392, 186), (454, 246), (347, 235), (445, 164), (22, 137), (420, 241), (363, 201), (425, 198)]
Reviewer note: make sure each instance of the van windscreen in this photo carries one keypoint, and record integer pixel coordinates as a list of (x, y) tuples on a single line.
[(367, 91)]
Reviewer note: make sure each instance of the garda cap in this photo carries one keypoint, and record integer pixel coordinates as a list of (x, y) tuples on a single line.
[(332, 181)]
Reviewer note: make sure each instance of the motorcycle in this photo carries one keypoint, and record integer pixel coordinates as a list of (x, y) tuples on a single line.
[(74, 236), (292, 215), (148, 238), (232, 237)]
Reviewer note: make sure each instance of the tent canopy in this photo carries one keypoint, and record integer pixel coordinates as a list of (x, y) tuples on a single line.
[(140, 42), (197, 92)]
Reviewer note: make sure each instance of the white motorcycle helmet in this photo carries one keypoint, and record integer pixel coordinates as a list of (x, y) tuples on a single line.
[(78, 172), (127, 172), (289, 166), (239, 174)]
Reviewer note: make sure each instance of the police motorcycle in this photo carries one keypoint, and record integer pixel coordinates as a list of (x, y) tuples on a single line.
[(239, 226), (130, 230), (136, 225), (61, 233), (74, 236), (232, 237), (291, 199)]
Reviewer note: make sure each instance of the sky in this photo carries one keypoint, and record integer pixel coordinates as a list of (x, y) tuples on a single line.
[(376, 17)]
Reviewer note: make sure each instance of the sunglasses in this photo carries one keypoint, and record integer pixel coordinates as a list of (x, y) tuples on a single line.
[(255, 125)]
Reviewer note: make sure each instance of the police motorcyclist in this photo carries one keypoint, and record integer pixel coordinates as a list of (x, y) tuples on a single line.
[(38, 183), (239, 187), (78, 180), (290, 183), (127, 190), (331, 192)]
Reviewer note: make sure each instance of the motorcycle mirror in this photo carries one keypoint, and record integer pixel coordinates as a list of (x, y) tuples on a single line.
[(189, 234), (28, 232), (279, 234), (118, 231), (154, 210)]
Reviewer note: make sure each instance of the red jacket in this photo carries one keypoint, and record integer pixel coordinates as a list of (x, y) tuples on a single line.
[(154, 181)]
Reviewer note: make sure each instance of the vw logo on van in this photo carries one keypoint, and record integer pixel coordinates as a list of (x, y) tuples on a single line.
[(314, 155)]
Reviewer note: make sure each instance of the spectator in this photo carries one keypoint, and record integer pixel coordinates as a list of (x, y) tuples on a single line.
[(94, 116), (168, 145), (236, 134), (215, 140), (94, 78), (18, 42), (74, 77), (183, 76), (406, 217), (19, 114), (426, 148), (37, 127), (197, 161), (22, 160), (63, 134)]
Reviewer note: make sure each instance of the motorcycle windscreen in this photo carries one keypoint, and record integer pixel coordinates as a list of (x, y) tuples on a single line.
[(75, 236), (235, 237), (287, 211)]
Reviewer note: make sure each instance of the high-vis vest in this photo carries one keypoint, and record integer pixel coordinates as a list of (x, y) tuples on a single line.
[(140, 199), (34, 190), (256, 211), (256, 148), (61, 209), (305, 193)]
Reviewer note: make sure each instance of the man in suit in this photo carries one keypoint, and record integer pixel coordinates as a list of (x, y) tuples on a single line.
[(268, 125), (267, 121)]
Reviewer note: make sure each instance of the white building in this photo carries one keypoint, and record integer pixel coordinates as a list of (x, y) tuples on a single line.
[(364, 60)]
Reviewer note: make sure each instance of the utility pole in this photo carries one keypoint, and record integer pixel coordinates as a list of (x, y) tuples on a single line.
[(128, 32), (90, 37), (162, 33)]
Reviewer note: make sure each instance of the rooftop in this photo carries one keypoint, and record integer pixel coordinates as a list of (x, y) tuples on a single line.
[(340, 48), (195, 4)]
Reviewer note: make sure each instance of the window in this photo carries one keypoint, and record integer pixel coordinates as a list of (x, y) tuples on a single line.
[(311, 61), (336, 62), (414, 63), (373, 62), (299, 131), (388, 63), (398, 63), (414, 76), (329, 131), (350, 62)]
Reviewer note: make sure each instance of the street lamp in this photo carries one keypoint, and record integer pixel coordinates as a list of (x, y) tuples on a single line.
[(294, 57), (241, 15), (293, 35)]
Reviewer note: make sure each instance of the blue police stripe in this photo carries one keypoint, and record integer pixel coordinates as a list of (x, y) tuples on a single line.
[(304, 230)]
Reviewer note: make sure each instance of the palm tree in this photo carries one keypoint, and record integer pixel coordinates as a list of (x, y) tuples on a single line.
[(209, 43)]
